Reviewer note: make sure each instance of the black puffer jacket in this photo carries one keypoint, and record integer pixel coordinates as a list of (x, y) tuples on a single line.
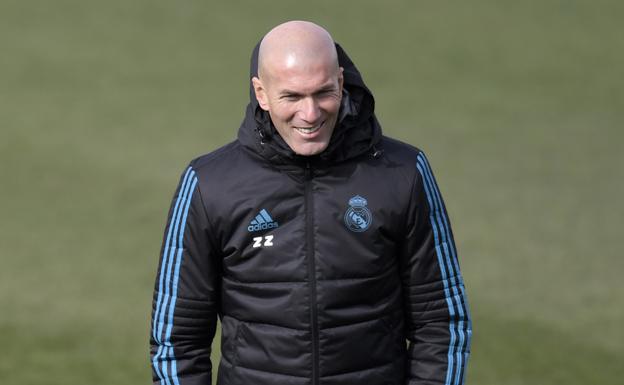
[(320, 268)]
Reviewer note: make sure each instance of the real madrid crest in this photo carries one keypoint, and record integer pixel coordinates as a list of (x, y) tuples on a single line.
[(358, 217)]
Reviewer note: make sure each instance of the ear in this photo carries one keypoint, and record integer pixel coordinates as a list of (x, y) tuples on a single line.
[(260, 92)]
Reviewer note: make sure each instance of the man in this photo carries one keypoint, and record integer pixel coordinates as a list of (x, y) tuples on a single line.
[(320, 244)]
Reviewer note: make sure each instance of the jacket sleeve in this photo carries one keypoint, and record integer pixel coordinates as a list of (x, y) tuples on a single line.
[(184, 311), (438, 322)]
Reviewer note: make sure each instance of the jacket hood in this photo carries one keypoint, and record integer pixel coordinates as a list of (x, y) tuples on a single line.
[(357, 130)]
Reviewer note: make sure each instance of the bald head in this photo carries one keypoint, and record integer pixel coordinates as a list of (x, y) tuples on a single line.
[(295, 43)]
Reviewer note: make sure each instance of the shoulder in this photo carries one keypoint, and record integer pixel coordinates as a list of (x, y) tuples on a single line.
[(400, 154), (408, 159), (217, 158), (219, 172), (399, 151)]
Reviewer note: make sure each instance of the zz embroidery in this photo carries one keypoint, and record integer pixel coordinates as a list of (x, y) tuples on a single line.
[(267, 241)]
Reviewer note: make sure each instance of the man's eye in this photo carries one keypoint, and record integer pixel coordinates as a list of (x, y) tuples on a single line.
[(326, 93)]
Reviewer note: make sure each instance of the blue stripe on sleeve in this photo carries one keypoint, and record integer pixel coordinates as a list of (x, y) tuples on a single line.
[(438, 209), (155, 364), (442, 264), (176, 277), (172, 250), (457, 281), (165, 354), (163, 263), (439, 223)]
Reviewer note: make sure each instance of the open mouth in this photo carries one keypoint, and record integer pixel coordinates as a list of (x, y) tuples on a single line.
[(309, 130)]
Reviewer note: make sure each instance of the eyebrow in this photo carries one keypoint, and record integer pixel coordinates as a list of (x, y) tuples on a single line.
[(325, 88)]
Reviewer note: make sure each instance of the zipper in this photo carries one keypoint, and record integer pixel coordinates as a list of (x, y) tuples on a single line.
[(309, 231)]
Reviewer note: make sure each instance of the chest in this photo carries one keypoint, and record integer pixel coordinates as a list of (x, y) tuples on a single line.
[(349, 222)]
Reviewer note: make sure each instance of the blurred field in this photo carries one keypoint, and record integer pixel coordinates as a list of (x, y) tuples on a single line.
[(519, 106)]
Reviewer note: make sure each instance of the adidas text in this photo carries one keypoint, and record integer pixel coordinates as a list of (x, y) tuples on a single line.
[(263, 226)]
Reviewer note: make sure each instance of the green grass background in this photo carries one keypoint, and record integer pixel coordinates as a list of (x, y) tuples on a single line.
[(519, 105)]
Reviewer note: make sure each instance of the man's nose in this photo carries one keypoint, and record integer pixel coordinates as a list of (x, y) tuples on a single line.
[(310, 111)]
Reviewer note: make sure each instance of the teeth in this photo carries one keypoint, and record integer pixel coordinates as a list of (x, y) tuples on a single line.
[(308, 130)]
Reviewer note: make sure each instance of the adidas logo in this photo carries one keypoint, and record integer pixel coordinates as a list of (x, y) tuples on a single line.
[(262, 221)]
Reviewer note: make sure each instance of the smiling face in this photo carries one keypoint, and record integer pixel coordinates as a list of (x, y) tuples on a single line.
[(303, 102), (300, 85)]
